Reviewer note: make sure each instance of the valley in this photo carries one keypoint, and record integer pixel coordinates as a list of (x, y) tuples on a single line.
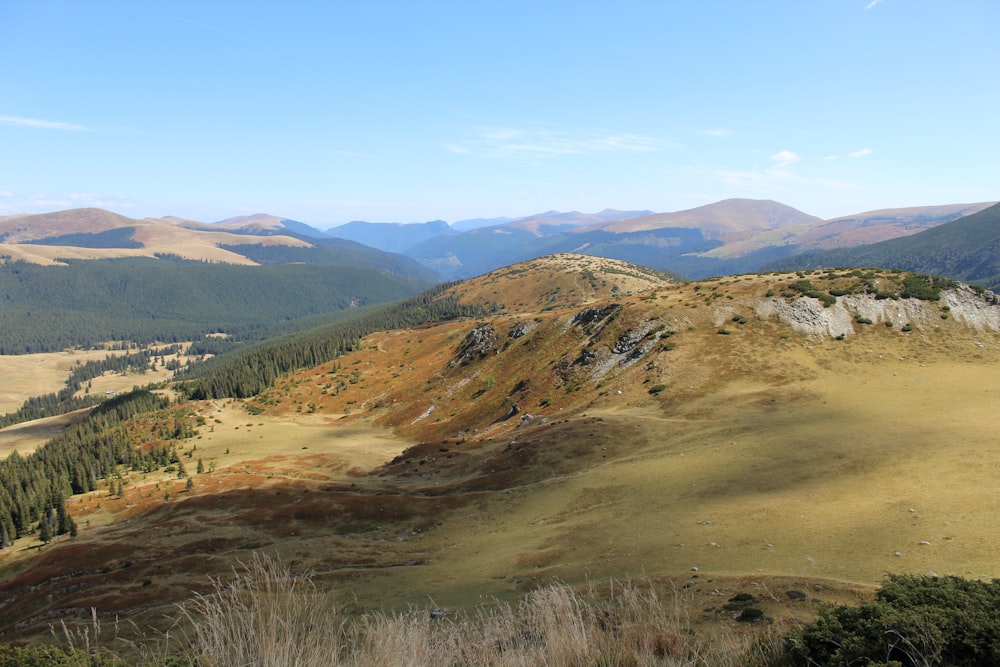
[(606, 422)]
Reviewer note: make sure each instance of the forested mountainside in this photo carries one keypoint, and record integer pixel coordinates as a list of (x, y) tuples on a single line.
[(141, 300)]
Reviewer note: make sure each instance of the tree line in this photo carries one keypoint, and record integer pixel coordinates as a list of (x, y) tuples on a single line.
[(34, 488), (248, 372)]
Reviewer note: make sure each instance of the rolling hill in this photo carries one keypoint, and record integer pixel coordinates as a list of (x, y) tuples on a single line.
[(731, 236), (966, 249), (51, 238), (87, 276), (759, 433)]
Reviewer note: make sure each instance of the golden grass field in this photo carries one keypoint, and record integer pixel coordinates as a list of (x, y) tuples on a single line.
[(771, 460), (27, 375)]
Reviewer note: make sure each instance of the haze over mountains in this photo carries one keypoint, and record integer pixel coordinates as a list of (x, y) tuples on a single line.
[(730, 236)]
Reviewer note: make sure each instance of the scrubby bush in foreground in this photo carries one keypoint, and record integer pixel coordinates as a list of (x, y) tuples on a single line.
[(914, 621)]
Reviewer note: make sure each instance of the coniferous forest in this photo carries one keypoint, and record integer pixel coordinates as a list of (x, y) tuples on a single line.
[(248, 372), (34, 488), (141, 300)]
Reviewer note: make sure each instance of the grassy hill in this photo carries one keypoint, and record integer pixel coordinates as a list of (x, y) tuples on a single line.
[(725, 436), (966, 249)]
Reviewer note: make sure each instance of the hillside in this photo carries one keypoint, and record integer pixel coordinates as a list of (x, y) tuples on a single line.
[(843, 232), (142, 300), (966, 249), (83, 277), (719, 219), (727, 237), (720, 436), (93, 234)]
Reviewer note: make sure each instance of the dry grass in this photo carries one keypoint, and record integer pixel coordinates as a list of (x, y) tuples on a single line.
[(266, 616), (773, 461)]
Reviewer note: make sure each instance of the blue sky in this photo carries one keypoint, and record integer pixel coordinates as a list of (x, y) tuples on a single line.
[(327, 112)]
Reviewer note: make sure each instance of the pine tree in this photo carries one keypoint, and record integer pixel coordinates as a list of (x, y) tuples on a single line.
[(45, 530)]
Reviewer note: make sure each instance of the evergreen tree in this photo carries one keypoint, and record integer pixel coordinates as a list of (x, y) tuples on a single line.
[(45, 530)]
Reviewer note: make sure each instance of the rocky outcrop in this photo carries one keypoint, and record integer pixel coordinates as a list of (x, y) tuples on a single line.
[(979, 310), (479, 343)]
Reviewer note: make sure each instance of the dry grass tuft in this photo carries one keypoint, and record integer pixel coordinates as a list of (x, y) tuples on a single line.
[(267, 616)]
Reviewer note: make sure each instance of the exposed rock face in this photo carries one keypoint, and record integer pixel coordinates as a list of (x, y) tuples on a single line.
[(589, 319), (980, 311), (521, 329), (808, 315), (480, 343)]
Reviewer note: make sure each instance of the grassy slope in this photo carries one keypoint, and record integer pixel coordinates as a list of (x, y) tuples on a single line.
[(965, 249), (770, 460)]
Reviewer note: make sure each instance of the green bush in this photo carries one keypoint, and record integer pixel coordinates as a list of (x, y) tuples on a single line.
[(913, 621)]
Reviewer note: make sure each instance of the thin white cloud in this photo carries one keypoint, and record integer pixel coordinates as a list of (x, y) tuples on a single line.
[(861, 153), (786, 156), (505, 142), (720, 132), (38, 123), (783, 160), (6, 194), (872, 4)]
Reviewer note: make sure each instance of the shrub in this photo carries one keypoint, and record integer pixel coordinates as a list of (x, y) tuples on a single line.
[(913, 621), (806, 288), (927, 288), (657, 388)]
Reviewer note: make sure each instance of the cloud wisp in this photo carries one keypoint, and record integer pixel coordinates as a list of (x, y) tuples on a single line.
[(861, 153), (783, 160), (520, 143), (872, 4), (38, 123)]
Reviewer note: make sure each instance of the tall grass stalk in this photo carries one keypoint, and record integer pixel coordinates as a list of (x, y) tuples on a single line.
[(268, 617)]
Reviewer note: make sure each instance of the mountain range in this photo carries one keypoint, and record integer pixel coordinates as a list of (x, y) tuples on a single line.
[(727, 237)]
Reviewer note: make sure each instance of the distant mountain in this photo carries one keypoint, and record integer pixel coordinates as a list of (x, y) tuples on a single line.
[(665, 241), (264, 223), (842, 232), (726, 237), (36, 226), (117, 278), (93, 234), (554, 221), (476, 223), (718, 219), (966, 249), (390, 236)]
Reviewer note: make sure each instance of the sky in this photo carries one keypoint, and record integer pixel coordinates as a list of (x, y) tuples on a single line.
[(407, 110)]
